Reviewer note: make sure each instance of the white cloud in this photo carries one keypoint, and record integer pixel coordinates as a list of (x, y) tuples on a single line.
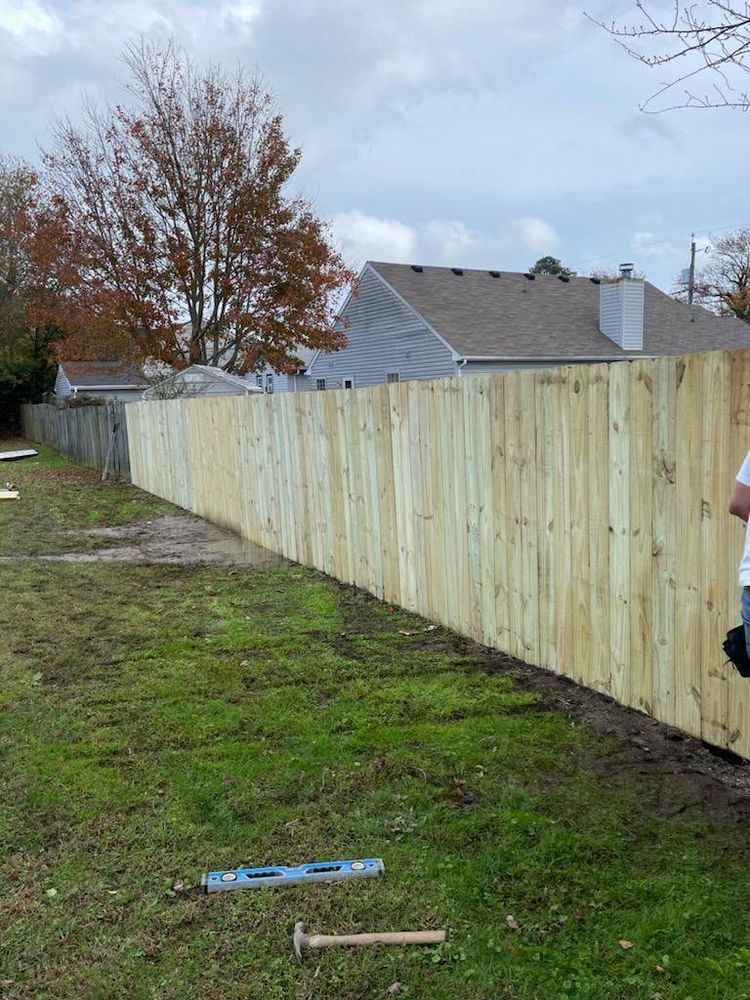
[(363, 237), (465, 132), (447, 240), (534, 235), (33, 27), (240, 14)]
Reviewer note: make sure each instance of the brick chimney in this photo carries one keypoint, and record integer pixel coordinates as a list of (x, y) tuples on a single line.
[(621, 309)]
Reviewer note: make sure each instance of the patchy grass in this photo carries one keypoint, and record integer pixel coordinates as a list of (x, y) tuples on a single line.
[(58, 497), (158, 722)]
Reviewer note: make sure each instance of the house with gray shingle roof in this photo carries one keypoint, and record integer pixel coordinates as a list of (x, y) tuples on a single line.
[(99, 380), (417, 322)]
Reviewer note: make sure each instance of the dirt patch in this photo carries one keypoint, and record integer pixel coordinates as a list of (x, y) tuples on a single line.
[(180, 539), (677, 775)]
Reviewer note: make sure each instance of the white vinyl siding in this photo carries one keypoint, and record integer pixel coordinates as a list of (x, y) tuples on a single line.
[(383, 335), (621, 305), (62, 385)]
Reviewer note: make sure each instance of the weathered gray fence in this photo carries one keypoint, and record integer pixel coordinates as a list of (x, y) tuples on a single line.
[(90, 435)]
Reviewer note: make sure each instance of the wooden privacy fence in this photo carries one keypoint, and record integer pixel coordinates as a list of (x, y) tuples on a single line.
[(575, 518), (83, 433)]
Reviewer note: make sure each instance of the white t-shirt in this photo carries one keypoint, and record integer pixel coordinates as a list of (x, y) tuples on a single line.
[(743, 476)]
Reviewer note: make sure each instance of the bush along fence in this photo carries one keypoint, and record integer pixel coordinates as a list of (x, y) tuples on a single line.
[(96, 436), (575, 518)]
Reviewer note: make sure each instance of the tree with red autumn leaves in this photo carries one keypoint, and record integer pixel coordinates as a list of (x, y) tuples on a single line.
[(34, 274), (188, 247)]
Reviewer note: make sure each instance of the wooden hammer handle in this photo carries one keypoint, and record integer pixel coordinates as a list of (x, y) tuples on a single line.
[(389, 937)]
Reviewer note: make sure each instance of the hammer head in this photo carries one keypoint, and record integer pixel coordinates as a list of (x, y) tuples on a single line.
[(299, 939)]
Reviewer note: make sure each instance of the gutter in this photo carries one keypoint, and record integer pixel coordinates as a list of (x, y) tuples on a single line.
[(100, 388), (557, 361)]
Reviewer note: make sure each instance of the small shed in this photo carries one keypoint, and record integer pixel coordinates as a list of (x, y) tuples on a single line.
[(201, 380), (99, 380)]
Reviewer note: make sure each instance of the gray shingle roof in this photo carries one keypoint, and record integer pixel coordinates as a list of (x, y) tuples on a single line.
[(510, 316), (212, 371), (89, 374)]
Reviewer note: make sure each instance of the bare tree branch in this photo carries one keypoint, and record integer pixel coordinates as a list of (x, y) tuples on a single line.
[(711, 37)]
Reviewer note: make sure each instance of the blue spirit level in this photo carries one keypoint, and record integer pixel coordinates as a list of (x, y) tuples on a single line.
[(316, 871)]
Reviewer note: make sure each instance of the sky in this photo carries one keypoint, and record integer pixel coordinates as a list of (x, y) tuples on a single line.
[(473, 133)]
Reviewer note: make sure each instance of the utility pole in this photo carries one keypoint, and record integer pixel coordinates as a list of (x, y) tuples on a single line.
[(691, 278)]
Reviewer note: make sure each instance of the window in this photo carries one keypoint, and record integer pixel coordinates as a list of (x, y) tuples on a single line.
[(259, 381), (320, 383), (348, 383), (392, 377), (269, 383)]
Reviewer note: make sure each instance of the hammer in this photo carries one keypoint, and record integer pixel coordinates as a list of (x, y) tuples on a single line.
[(303, 940)]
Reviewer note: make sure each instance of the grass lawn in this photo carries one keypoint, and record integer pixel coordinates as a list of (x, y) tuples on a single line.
[(157, 722)]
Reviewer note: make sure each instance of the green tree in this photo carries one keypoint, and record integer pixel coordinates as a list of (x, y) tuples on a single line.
[(551, 265)]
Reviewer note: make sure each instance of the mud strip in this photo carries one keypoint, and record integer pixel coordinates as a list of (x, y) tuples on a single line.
[(182, 540)]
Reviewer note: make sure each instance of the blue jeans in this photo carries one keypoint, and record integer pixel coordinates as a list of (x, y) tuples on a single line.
[(745, 612)]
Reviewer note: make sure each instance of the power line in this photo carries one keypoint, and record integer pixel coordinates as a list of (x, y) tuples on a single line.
[(658, 241)]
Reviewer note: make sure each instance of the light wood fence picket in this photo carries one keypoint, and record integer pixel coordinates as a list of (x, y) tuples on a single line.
[(575, 518)]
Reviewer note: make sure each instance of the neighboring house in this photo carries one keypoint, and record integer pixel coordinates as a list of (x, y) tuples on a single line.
[(99, 380), (413, 322), (201, 380), (272, 381)]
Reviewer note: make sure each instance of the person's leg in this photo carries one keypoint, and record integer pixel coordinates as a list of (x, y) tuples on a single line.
[(745, 612)]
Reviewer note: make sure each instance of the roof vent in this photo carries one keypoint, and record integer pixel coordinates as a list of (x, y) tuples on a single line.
[(530, 276), (457, 270), (626, 270), (417, 267), (494, 274), (564, 277), (595, 281)]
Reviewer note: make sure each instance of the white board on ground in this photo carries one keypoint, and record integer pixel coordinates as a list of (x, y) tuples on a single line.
[(11, 456)]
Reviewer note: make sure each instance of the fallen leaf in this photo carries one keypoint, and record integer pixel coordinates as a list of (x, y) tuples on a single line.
[(430, 628), (460, 794), (626, 944), (179, 886), (244, 663), (659, 968), (395, 988), (402, 631), (51, 892), (511, 922)]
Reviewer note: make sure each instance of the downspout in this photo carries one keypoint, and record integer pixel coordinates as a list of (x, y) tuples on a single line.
[(461, 364)]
